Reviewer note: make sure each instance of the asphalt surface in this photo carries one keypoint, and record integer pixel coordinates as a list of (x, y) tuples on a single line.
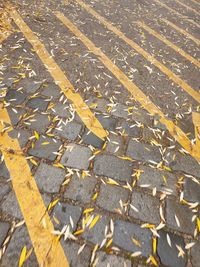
[(99, 133)]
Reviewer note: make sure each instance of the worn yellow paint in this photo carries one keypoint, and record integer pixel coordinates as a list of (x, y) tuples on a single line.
[(170, 44), (175, 78), (5, 26), (145, 102), (60, 78), (47, 248), (182, 31), (184, 17), (196, 122), (188, 7)]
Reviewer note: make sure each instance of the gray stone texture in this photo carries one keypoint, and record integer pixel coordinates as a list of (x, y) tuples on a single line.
[(4, 227), (184, 215), (50, 90), (154, 178), (80, 189), (195, 254), (124, 231), (147, 205), (15, 97), (61, 110), (63, 212), (120, 110), (92, 139), (21, 135), (10, 206), (49, 178), (76, 157), (4, 189), (191, 190), (105, 260), (75, 260), (169, 255), (110, 196), (39, 122), (45, 151), (143, 152), (11, 257), (113, 167), (115, 142), (109, 123), (15, 117), (37, 103), (130, 130), (69, 131)]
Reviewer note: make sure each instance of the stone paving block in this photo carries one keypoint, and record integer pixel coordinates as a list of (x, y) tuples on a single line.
[(39, 123), (141, 115), (186, 164), (10, 206), (76, 157), (115, 142), (184, 215), (37, 102), (4, 227), (143, 152), (63, 212), (4, 189), (99, 104), (4, 173), (191, 190), (169, 255), (15, 97), (49, 178), (92, 139), (15, 117), (109, 123), (120, 110), (130, 129), (45, 151), (30, 86), (80, 189), (96, 234), (195, 254), (110, 196), (105, 260), (75, 260), (148, 207), (50, 90), (61, 110), (154, 178), (124, 231), (113, 167), (20, 238), (69, 131), (21, 135)]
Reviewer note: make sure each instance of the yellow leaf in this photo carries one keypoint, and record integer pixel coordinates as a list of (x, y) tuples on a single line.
[(52, 204), (109, 243), (45, 143), (36, 135), (153, 260), (34, 162), (154, 245), (93, 105), (95, 196), (29, 253), (22, 257), (198, 224), (78, 232), (136, 242), (125, 158), (167, 168), (94, 221), (88, 210), (111, 181), (97, 152)]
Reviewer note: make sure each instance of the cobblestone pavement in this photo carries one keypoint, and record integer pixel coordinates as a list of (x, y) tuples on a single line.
[(130, 198)]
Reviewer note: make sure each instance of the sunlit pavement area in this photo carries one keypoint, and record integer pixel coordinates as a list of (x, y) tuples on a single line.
[(99, 133)]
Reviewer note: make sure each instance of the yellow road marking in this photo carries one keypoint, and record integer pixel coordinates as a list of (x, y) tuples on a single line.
[(196, 122), (141, 51), (188, 7), (170, 44), (182, 31), (176, 132), (61, 80), (47, 248), (177, 13), (5, 26)]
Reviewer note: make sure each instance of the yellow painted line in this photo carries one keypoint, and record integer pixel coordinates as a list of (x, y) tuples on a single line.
[(182, 31), (188, 7), (170, 44), (177, 13), (145, 102), (47, 248), (172, 76), (196, 122), (60, 78)]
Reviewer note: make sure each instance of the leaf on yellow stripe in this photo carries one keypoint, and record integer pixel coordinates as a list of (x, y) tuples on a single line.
[(22, 257), (94, 221)]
